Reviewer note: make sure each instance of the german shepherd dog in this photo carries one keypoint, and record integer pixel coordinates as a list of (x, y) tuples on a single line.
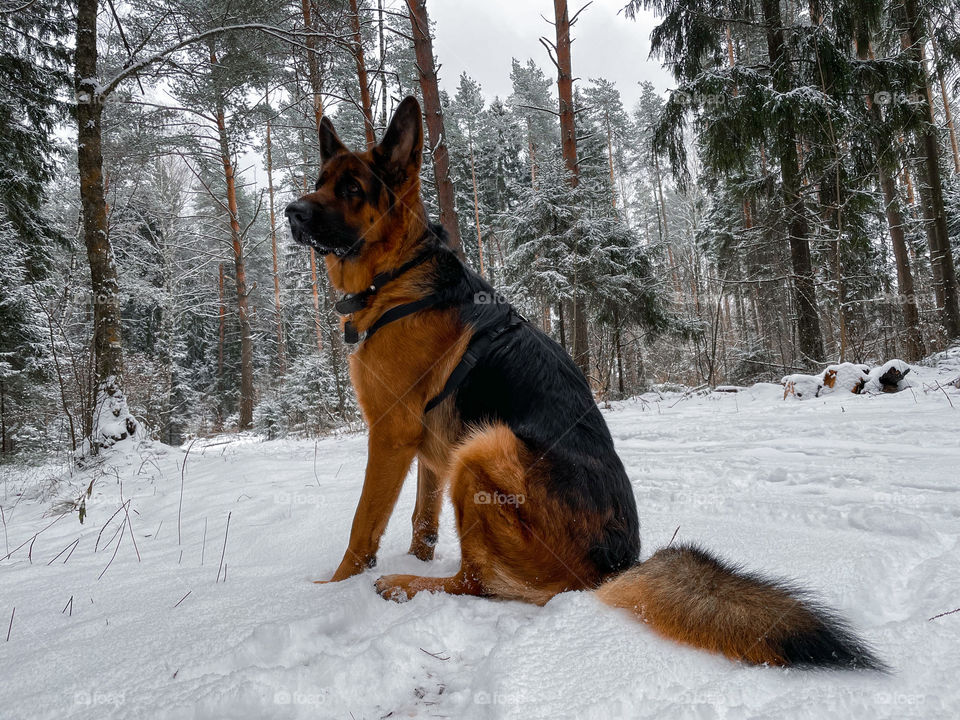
[(497, 414)]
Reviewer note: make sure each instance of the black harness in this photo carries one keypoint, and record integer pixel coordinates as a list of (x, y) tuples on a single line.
[(483, 336)]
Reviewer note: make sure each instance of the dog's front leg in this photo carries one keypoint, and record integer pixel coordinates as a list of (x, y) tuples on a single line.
[(388, 461)]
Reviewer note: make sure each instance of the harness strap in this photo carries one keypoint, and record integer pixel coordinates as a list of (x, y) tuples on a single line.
[(353, 302), (352, 336), (479, 345)]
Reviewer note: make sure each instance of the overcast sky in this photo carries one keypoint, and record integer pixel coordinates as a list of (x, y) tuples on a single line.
[(481, 36)]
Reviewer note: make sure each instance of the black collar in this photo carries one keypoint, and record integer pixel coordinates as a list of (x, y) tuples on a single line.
[(354, 302)]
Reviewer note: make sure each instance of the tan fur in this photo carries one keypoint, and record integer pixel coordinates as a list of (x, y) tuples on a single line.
[(698, 603)]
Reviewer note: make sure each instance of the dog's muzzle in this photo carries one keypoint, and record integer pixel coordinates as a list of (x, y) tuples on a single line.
[(305, 220)]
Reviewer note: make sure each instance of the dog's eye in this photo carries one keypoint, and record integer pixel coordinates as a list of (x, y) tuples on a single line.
[(352, 188)]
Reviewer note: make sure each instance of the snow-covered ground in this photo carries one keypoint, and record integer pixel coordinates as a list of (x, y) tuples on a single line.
[(857, 497)]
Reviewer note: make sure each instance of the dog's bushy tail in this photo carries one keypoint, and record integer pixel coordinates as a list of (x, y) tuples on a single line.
[(691, 597)]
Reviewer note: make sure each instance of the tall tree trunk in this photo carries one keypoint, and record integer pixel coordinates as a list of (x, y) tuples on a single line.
[(423, 47), (240, 270), (383, 65), (313, 63), (362, 75), (613, 182), (223, 322), (315, 88), (111, 418), (809, 337), (278, 307), (913, 338), (945, 98), (476, 207), (568, 143), (931, 192)]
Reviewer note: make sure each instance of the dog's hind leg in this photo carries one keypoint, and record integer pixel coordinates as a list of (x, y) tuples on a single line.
[(426, 513), (515, 541)]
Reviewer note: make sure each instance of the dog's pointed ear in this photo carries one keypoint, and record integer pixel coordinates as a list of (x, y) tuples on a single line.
[(400, 151), (330, 144)]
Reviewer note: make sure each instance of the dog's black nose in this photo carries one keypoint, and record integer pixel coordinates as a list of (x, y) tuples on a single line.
[(298, 214)]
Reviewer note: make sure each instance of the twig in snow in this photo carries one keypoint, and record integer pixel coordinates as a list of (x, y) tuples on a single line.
[(951, 612), (119, 541), (130, 528), (224, 551), (435, 655), (73, 544), (7, 556), (183, 598), (10, 626), (157, 531), (940, 388), (96, 545), (6, 542), (71, 551), (674, 536), (690, 393), (315, 475), (203, 549), (68, 605), (183, 471)]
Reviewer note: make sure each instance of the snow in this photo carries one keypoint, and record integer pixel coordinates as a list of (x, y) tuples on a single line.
[(854, 496)]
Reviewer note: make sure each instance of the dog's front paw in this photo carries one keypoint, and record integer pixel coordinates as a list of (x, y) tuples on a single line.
[(394, 587), (422, 547)]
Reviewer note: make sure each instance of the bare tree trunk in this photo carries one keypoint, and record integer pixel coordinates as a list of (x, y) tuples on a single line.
[(947, 112), (111, 418), (531, 148), (316, 300), (941, 258), (913, 343), (613, 182), (362, 75), (240, 271), (313, 64), (809, 337), (278, 307), (223, 323), (423, 46), (476, 208), (383, 73), (568, 142)]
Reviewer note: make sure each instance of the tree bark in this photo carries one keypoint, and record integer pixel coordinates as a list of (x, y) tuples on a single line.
[(104, 285), (278, 307), (913, 338), (476, 208), (945, 98), (423, 47), (931, 192), (313, 66), (361, 62), (809, 337), (568, 143), (383, 64), (240, 271)]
